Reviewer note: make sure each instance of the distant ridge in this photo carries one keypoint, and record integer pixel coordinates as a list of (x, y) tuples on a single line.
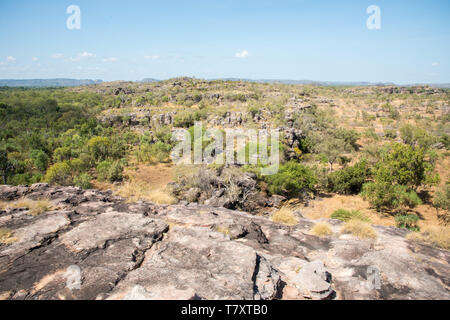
[(64, 82), (39, 83), (320, 83)]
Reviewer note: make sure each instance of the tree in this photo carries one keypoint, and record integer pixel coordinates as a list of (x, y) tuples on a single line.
[(59, 173), (416, 136), (6, 166), (397, 175), (40, 159), (401, 164), (99, 147), (349, 180), (292, 180), (332, 148)]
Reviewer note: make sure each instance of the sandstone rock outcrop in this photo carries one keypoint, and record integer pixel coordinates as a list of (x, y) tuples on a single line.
[(93, 245)]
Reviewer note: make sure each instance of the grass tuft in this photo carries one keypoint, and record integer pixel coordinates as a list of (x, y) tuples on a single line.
[(345, 215), (34, 207), (6, 236), (321, 229), (133, 191), (436, 235), (285, 216), (359, 229)]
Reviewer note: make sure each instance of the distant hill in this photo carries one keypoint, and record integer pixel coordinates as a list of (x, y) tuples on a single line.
[(312, 82), (146, 80), (47, 82)]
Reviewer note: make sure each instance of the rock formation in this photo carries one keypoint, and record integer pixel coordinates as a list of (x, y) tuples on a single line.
[(93, 245)]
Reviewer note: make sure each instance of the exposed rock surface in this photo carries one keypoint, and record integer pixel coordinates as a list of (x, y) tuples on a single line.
[(93, 245)]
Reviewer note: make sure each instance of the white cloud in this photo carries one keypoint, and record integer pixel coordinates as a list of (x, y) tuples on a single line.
[(154, 57), (86, 55), (243, 54), (112, 59), (35, 59), (10, 58), (57, 56), (435, 64)]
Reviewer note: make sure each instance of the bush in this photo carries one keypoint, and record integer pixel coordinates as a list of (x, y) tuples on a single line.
[(396, 176), (416, 136), (345, 215), (183, 120), (349, 180), (384, 196), (62, 154), (408, 221), (442, 198), (292, 180), (40, 159), (442, 201), (99, 147), (83, 181), (110, 171), (59, 173)]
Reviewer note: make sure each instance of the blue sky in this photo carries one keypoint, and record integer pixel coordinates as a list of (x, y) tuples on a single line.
[(279, 39)]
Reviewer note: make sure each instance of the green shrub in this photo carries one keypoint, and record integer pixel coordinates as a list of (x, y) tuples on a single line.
[(184, 120), (385, 196), (83, 180), (345, 215), (349, 180), (61, 154), (408, 221), (442, 198), (416, 136), (396, 177), (110, 171), (292, 180), (59, 173), (99, 147), (40, 159), (390, 133)]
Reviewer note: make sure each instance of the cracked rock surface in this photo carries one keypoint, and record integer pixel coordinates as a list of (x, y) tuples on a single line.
[(93, 245)]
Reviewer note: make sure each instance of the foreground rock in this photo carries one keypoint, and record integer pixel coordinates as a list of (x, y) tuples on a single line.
[(93, 245)]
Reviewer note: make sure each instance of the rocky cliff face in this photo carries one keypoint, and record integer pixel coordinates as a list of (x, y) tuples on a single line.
[(93, 245)]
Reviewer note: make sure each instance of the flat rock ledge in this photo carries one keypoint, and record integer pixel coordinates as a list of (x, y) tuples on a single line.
[(94, 245)]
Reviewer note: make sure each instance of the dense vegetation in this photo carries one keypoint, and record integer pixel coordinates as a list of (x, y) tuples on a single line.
[(58, 136)]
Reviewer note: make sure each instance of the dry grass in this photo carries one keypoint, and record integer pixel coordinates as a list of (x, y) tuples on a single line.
[(327, 205), (6, 236), (285, 216), (35, 207), (436, 235), (146, 183), (359, 229), (226, 231), (135, 191), (321, 229), (3, 205)]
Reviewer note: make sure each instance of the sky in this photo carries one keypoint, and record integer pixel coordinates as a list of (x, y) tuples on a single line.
[(322, 40)]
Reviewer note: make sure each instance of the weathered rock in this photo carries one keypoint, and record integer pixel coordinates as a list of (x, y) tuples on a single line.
[(313, 281), (96, 246), (111, 226)]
